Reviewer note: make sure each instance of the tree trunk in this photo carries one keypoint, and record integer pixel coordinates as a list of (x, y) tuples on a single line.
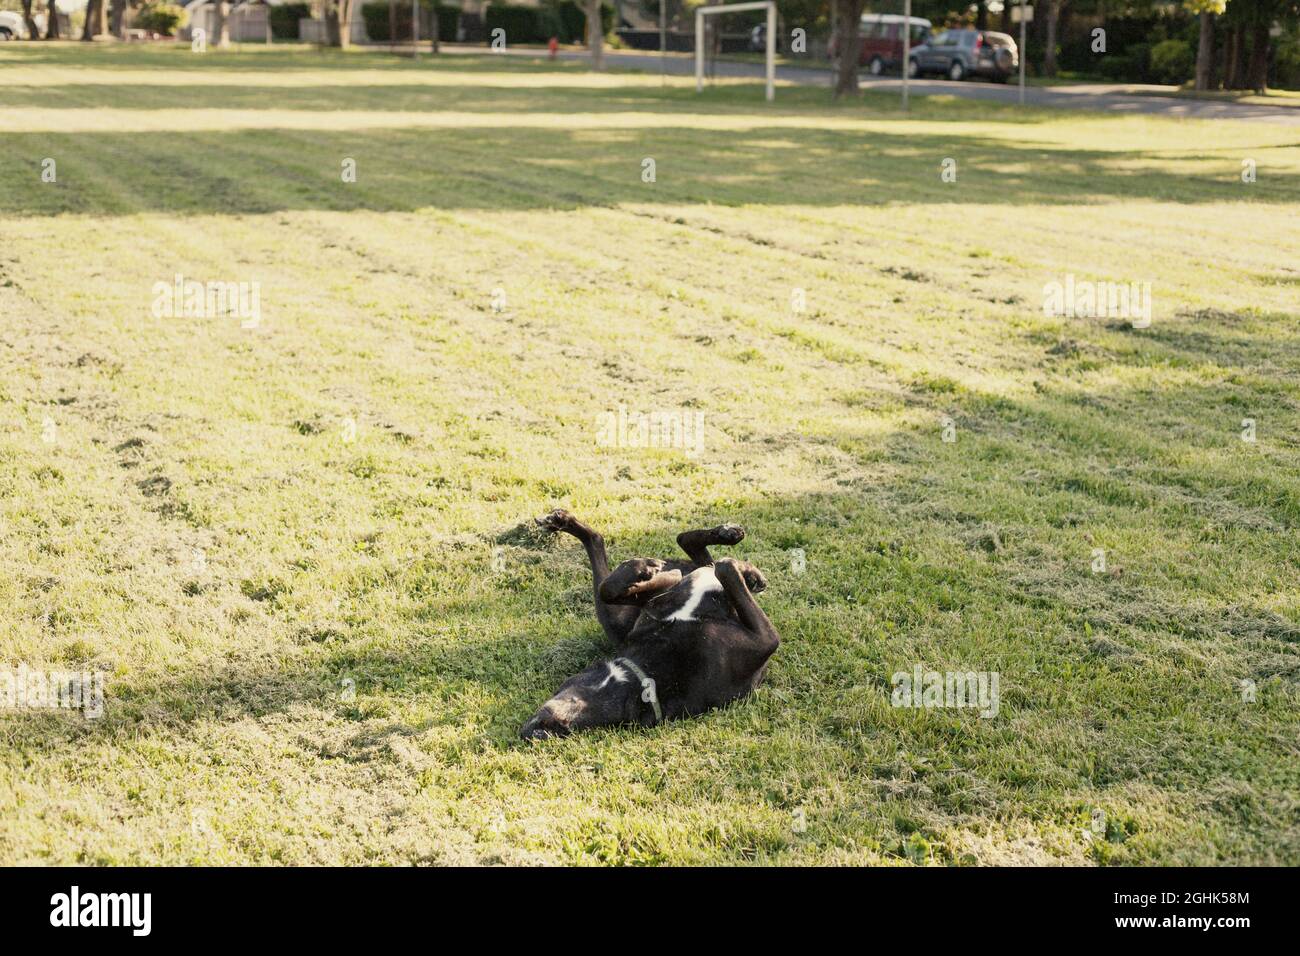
[(33, 31), (221, 28), (982, 18), (1205, 52), (595, 35), (1234, 58), (338, 23), (392, 23), (117, 19), (849, 46), (88, 28), (1049, 42), (52, 21), (434, 31), (95, 19), (1257, 72)]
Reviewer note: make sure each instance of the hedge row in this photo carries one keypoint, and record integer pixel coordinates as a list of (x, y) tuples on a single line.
[(564, 20), (284, 19), (376, 19), (162, 18)]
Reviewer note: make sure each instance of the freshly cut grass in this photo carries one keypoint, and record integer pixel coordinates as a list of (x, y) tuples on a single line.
[(302, 551)]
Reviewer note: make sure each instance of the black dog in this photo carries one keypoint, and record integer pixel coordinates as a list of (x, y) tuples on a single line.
[(690, 635)]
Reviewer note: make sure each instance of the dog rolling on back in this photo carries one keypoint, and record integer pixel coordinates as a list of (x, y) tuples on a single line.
[(689, 636)]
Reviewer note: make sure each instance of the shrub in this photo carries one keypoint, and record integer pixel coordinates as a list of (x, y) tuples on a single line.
[(376, 20), (521, 24), (1172, 61), (565, 20), (571, 21), (164, 18), (1133, 66), (1287, 75), (284, 19)]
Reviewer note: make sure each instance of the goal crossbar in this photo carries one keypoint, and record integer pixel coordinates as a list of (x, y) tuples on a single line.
[(702, 12)]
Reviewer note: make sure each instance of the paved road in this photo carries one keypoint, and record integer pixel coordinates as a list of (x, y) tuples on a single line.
[(1107, 97)]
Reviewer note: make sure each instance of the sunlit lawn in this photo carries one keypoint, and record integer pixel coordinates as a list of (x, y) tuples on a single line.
[(185, 504)]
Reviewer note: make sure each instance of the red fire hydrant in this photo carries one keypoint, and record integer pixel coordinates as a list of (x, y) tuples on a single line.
[(553, 45)]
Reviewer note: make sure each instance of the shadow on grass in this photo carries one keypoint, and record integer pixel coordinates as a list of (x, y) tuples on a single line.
[(1024, 472), (501, 169)]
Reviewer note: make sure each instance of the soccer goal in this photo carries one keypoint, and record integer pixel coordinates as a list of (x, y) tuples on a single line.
[(724, 8)]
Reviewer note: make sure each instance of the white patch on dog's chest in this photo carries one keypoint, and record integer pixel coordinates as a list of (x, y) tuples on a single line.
[(699, 583), (616, 673)]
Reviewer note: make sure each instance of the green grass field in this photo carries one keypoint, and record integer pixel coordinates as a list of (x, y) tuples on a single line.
[(320, 643)]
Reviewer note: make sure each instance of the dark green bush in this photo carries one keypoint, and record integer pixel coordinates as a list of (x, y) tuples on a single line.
[(1172, 61), (572, 21), (284, 19), (1128, 43), (162, 18), (521, 24), (564, 20), (376, 20)]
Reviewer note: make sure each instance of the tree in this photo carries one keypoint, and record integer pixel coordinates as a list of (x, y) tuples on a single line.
[(33, 30), (595, 34), (1257, 68), (221, 28), (1049, 42), (1207, 10), (1253, 19), (338, 22), (117, 19), (94, 20), (848, 16), (52, 21)]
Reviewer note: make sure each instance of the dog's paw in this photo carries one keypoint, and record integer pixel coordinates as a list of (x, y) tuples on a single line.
[(753, 578), (729, 533), (644, 569), (653, 577), (557, 520)]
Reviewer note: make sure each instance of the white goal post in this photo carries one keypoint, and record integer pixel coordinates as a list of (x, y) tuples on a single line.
[(702, 12)]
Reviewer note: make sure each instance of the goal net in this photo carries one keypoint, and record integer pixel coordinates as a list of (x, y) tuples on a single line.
[(748, 32)]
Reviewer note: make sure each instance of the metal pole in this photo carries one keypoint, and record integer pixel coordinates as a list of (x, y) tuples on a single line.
[(663, 42), (771, 52), (907, 44), (699, 52), (1022, 52)]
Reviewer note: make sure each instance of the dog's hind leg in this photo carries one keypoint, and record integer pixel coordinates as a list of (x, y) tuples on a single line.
[(616, 620), (696, 543)]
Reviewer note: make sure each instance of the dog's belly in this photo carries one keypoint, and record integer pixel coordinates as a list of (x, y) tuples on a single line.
[(699, 597)]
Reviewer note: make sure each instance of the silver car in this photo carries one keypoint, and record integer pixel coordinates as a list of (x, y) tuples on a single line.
[(958, 54)]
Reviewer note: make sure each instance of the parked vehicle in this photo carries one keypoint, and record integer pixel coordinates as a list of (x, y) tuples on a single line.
[(958, 54), (11, 26), (881, 39), (758, 39)]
